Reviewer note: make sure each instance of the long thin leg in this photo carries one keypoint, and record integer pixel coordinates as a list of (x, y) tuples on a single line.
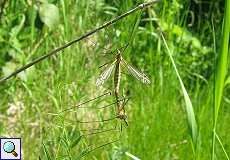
[(101, 131), (98, 147), (91, 149), (125, 101), (126, 122), (104, 120), (105, 64), (83, 103), (106, 106)]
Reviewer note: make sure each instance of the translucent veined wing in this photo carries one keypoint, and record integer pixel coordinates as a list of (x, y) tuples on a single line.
[(136, 73), (105, 74)]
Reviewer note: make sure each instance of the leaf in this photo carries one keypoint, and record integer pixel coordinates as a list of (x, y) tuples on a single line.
[(75, 142), (47, 155), (189, 108), (17, 28), (49, 14), (131, 156), (15, 31), (83, 153), (222, 61), (221, 71)]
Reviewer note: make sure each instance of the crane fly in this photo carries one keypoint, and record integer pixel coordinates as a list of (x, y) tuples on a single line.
[(116, 65)]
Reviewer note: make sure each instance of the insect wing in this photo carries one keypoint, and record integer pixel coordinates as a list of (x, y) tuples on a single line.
[(105, 74), (136, 73)]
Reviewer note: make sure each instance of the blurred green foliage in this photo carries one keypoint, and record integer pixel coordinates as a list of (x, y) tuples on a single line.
[(158, 130)]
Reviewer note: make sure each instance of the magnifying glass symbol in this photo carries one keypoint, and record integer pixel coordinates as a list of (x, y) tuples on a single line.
[(9, 147)]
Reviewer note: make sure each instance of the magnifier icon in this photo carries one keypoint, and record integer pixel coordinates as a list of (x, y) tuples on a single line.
[(9, 147)]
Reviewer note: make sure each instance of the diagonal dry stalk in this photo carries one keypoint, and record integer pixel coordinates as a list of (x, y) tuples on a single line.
[(55, 51)]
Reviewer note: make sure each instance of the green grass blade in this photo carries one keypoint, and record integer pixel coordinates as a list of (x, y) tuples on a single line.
[(222, 64), (221, 70), (75, 141), (222, 146), (189, 108), (131, 156), (47, 155)]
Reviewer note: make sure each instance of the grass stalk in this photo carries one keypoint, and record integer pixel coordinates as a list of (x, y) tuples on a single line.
[(189, 108), (221, 70), (222, 146)]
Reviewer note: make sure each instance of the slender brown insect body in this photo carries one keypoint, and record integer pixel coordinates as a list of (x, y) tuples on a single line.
[(117, 74), (116, 65), (117, 80)]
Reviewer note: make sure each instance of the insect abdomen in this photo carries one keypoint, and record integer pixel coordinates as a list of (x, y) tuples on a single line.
[(117, 77)]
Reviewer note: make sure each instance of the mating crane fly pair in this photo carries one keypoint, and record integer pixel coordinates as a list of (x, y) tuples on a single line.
[(116, 65)]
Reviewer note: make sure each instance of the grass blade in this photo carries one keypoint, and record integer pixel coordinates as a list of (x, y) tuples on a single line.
[(47, 155), (131, 156), (189, 108), (222, 146), (221, 70), (222, 64)]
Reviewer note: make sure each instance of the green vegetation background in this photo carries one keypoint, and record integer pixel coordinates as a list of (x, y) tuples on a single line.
[(157, 119)]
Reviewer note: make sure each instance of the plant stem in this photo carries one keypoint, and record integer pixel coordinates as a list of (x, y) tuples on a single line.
[(55, 51)]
